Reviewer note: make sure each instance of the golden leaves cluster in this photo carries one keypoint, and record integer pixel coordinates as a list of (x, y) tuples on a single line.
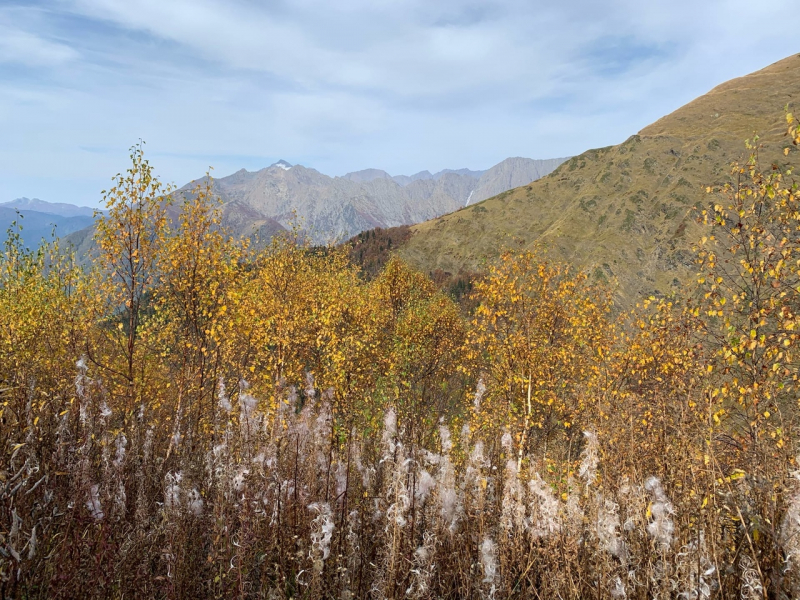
[(750, 285)]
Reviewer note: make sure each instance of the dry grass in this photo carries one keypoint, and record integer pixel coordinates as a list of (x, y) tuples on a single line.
[(286, 503)]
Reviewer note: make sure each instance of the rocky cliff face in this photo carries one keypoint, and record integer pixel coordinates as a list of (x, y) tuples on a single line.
[(512, 173)]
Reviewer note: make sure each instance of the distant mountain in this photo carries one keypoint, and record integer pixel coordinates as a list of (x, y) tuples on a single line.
[(336, 208), (54, 208), (39, 225), (404, 180), (511, 173), (625, 212), (367, 175)]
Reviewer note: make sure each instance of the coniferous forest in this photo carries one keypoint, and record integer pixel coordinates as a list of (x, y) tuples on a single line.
[(186, 415)]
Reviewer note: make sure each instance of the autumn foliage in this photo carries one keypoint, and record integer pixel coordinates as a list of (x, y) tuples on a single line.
[(188, 417)]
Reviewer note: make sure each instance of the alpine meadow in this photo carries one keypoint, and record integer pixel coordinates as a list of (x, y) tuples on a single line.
[(471, 407)]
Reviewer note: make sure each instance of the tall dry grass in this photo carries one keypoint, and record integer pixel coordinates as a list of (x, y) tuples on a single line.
[(280, 504)]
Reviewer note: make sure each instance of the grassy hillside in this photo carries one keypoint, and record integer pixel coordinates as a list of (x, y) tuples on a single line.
[(624, 212)]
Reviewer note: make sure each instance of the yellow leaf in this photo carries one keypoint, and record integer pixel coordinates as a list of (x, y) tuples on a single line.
[(737, 474)]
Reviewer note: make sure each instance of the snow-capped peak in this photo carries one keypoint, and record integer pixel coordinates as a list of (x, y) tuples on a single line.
[(282, 164)]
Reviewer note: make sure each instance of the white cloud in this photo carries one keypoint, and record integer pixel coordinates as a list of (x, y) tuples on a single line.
[(403, 85), (27, 49)]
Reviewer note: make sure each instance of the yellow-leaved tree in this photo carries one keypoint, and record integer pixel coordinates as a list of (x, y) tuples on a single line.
[(200, 273), (539, 335), (750, 279), (130, 235)]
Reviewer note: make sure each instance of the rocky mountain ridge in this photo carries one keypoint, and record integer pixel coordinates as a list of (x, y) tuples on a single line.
[(332, 209)]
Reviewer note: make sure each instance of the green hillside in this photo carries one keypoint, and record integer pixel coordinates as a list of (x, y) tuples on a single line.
[(624, 212)]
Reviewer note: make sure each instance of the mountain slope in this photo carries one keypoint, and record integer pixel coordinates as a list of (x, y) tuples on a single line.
[(624, 212)]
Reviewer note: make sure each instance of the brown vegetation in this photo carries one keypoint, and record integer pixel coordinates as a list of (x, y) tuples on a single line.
[(372, 249)]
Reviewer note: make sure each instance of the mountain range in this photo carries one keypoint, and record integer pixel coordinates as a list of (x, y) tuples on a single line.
[(626, 213), (39, 219), (262, 203), (333, 209)]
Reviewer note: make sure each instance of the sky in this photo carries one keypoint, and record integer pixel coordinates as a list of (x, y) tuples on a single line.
[(346, 85)]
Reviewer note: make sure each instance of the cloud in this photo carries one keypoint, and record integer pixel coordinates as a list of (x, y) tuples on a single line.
[(30, 50), (403, 85)]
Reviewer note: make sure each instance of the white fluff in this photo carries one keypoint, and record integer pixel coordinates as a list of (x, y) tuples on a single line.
[(444, 436), (507, 442), (480, 390), (389, 432), (194, 502), (608, 524), (172, 491), (618, 592), (105, 411), (695, 570), (589, 460), (425, 483), (544, 508), (489, 564), (93, 503), (321, 534), (222, 397), (661, 526), (513, 504), (121, 443), (790, 527), (240, 479), (398, 493), (423, 567), (450, 507)]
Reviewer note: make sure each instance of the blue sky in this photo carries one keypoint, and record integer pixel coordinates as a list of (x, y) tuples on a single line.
[(341, 86)]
